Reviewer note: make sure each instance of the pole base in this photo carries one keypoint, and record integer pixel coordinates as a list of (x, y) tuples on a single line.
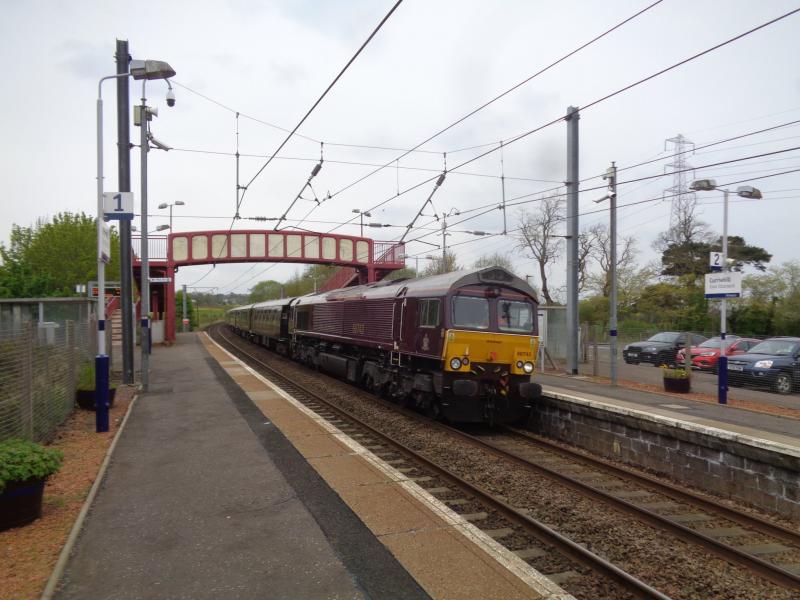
[(101, 393)]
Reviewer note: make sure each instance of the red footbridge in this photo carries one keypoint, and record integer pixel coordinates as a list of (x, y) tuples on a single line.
[(360, 260)]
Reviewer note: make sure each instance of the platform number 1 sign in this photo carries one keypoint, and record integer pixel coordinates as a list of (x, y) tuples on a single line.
[(118, 206)]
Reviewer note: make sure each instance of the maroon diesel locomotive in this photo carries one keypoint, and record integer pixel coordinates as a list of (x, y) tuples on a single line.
[(462, 345)]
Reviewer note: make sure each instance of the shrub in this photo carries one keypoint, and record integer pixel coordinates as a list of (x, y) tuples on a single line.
[(674, 373), (86, 378), (21, 460)]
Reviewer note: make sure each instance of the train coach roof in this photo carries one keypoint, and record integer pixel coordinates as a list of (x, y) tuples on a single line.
[(240, 308), (435, 285), (272, 303)]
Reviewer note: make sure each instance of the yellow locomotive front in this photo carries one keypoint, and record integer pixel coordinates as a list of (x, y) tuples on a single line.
[(488, 357)]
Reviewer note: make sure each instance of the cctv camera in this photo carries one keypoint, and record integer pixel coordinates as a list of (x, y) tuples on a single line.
[(157, 144), (170, 98)]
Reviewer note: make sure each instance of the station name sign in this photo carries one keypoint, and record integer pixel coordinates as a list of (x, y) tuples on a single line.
[(727, 284)]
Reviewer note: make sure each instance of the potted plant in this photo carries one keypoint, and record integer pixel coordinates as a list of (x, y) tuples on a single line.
[(24, 466), (676, 380), (84, 391)]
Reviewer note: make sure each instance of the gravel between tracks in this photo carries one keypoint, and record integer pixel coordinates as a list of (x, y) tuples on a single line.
[(670, 565)]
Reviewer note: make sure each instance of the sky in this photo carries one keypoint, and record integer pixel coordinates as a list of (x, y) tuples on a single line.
[(431, 64)]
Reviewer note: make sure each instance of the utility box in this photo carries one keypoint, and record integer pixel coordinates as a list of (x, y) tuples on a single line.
[(157, 332)]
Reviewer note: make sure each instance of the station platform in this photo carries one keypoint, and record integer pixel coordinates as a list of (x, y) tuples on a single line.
[(222, 486), (716, 419)]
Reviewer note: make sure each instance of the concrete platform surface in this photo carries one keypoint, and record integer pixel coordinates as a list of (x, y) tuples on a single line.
[(222, 486), (774, 429), (196, 504)]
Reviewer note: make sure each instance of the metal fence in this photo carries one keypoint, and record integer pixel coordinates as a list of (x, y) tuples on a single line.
[(40, 365)]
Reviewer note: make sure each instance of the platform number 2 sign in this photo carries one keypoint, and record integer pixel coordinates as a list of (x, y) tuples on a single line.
[(118, 206), (715, 260)]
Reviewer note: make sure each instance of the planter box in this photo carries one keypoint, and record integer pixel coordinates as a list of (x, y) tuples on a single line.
[(21, 503), (85, 398), (681, 386)]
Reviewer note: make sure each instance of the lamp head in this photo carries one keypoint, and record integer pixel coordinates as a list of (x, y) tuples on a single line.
[(163, 205), (162, 227), (151, 69), (703, 185), (180, 203), (748, 191)]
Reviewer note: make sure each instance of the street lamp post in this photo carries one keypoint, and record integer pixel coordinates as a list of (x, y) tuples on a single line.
[(611, 176), (139, 69), (744, 191), (361, 215), (159, 70), (170, 205)]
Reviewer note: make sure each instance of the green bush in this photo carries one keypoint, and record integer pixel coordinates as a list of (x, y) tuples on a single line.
[(21, 460), (86, 378)]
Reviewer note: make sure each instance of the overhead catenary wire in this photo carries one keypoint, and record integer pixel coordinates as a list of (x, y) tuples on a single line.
[(598, 101), (501, 95), (325, 93), (359, 164), (515, 201)]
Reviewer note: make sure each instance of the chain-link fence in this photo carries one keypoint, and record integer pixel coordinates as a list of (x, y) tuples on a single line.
[(40, 364)]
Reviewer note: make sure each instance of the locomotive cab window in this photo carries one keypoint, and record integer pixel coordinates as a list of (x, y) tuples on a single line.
[(429, 313), (471, 312), (514, 316)]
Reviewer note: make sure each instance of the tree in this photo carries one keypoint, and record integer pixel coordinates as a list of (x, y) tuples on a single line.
[(50, 258), (265, 290), (495, 260), (537, 237), (439, 265), (404, 273), (600, 250), (691, 258)]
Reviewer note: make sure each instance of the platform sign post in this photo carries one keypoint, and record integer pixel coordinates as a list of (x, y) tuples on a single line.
[(118, 206), (715, 260), (726, 284)]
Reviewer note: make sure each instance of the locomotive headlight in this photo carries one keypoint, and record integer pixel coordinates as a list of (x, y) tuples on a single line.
[(528, 367), (465, 361), (519, 364), (455, 363)]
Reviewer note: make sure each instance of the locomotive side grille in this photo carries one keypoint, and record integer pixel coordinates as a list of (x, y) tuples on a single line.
[(328, 318), (371, 319)]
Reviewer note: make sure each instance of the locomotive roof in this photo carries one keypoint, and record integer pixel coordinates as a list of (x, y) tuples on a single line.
[(434, 285)]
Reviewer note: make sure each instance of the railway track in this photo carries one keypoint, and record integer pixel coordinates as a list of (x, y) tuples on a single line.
[(589, 478)]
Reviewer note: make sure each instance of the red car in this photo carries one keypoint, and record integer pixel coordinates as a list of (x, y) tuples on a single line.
[(705, 356)]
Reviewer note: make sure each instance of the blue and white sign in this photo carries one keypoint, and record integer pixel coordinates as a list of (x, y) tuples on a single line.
[(727, 284), (118, 206)]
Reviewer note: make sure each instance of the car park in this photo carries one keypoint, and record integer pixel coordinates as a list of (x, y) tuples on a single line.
[(706, 355), (774, 363), (660, 349)]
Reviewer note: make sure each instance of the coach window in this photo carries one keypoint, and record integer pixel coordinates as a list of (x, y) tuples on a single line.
[(429, 313), (472, 312)]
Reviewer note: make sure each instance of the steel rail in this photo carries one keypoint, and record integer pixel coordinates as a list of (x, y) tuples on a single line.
[(667, 489), (767, 570), (536, 528)]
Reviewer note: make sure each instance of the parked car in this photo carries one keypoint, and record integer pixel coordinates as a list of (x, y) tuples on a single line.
[(660, 349), (706, 355), (774, 362)]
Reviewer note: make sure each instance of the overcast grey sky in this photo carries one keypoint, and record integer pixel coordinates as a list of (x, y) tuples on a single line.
[(432, 63)]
